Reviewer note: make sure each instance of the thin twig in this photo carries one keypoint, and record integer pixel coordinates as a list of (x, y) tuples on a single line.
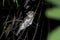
[(8, 30), (12, 20), (3, 2), (17, 3), (36, 27), (37, 21), (6, 19), (26, 35), (41, 30), (21, 34), (26, 2), (4, 27)]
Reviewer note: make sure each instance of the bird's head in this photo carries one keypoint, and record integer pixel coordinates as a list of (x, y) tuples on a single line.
[(30, 13)]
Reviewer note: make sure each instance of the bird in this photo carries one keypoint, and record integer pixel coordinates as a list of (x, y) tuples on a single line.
[(27, 21)]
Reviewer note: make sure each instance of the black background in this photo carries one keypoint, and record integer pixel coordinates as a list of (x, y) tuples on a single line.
[(45, 24)]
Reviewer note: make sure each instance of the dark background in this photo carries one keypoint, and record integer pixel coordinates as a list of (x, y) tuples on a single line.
[(45, 24)]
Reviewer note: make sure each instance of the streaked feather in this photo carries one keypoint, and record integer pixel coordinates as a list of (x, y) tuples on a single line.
[(27, 21)]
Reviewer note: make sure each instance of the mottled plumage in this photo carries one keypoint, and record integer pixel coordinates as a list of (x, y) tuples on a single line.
[(27, 21)]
